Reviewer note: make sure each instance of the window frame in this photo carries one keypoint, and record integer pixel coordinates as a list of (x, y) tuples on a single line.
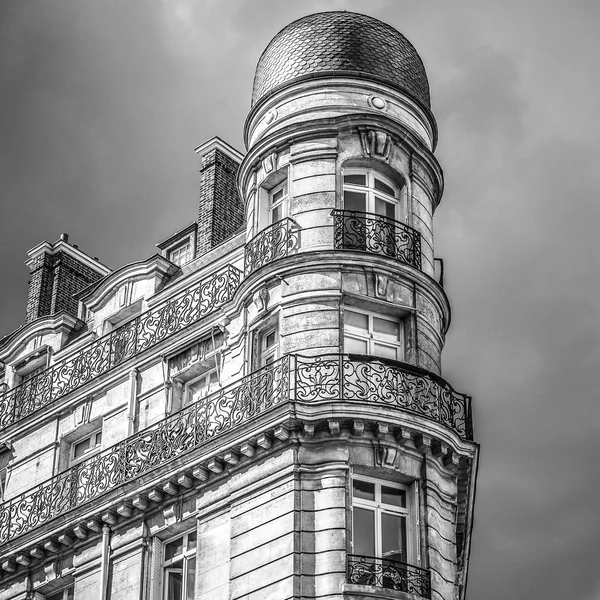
[(178, 248), (371, 191), (372, 337), (268, 354), (63, 592), (380, 508), (185, 556), (96, 447), (211, 388), (281, 203)]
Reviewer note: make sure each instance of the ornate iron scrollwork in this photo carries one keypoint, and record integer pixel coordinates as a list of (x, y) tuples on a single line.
[(389, 574), (276, 241), (345, 378), (118, 346), (377, 234), (149, 449)]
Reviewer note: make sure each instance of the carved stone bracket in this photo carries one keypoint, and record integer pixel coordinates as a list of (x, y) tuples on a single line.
[(375, 144)]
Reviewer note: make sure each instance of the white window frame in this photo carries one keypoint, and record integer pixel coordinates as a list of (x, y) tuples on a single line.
[(64, 593), (95, 438), (176, 254), (185, 556), (379, 508), (281, 202), (371, 192), (210, 388), (372, 337), (268, 354)]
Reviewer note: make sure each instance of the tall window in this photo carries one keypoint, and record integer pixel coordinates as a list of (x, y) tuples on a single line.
[(369, 333), (181, 254), (268, 346), (278, 203), (380, 519), (368, 191), (203, 386), (179, 567), (65, 594)]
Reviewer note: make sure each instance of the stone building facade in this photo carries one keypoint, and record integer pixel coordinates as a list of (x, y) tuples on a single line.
[(258, 410)]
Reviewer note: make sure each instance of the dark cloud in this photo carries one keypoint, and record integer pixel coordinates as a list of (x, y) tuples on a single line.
[(103, 103)]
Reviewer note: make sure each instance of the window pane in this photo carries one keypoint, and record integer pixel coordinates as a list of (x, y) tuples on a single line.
[(386, 327), (393, 496), (192, 537), (277, 213), (355, 346), (385, 351), (393, 537), (363, 489), (98, 438), (364, 531), (174, 585), (270, 339), (190, 586), (384, 208), (356, 179), (358, 320), (70, 593), (81, 448), (355, 201), (174, 548), (384, 187), (278, 195)]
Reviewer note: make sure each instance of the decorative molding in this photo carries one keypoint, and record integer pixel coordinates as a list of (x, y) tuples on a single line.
[(375, 144)]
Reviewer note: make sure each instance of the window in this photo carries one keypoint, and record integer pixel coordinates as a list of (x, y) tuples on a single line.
[(182, 254), (65, 594), (32, 373), (277, 203), (268, 346), (179, 567), (84, 446), (368, 191), (206, 384), (380, 520), (369, 333)]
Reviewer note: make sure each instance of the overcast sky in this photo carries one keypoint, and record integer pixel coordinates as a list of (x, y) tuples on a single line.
[(103, 102)]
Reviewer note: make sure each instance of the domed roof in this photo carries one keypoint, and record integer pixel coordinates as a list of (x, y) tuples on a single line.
[(340, 43)]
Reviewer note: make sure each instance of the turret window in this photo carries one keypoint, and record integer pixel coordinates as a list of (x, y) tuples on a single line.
[(369, 333), (278, 203), (367, 191)]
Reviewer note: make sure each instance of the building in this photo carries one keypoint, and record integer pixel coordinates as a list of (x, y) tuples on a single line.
[(257, 411)]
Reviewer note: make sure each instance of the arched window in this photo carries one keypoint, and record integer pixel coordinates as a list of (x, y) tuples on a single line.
[(368, 191)]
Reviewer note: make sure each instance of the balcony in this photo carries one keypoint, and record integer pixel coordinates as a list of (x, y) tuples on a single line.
[(111, 350), (388, 574), (276, 241), (376, 234), (289, 383)]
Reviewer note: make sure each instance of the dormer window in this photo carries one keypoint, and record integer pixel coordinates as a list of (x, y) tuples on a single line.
[(182, 254)]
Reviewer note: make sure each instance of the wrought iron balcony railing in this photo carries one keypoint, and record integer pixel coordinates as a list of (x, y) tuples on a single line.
[(105, 353), (354, 230), (358, 378), (276, 241), (389, 574), (293, 380)]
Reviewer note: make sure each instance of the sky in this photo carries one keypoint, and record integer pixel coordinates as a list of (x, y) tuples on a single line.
[(103, 103)]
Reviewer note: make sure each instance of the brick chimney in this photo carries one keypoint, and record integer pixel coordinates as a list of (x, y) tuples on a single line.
[(220, 209), (58, 272)]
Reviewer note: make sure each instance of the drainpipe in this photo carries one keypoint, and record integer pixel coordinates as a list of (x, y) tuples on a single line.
[(133, 389), (105, 562)]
